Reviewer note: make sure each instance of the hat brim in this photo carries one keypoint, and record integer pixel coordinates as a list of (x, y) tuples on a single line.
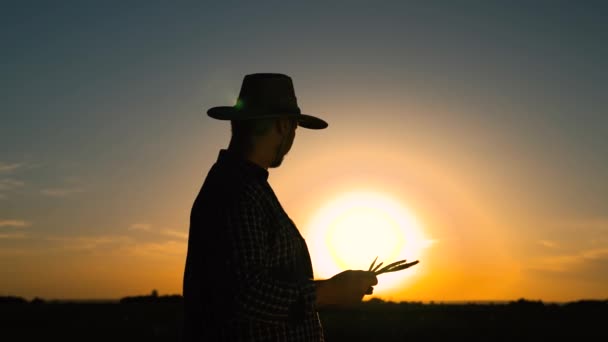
[(231, 113)]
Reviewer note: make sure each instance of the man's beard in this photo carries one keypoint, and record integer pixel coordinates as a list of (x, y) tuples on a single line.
[(277, 162), (278, 159)]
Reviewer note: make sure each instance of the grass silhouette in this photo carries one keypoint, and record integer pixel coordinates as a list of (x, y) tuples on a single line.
[(159, 318)]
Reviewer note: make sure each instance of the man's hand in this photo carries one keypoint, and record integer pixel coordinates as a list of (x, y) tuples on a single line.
[(345, 288)]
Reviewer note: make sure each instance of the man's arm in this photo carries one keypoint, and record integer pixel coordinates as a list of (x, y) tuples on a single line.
[(260, 296)]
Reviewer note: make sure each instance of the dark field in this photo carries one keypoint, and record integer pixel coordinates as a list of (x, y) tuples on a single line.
[(159, 319)]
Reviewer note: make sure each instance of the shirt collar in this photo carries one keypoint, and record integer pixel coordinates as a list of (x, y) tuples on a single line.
[(243, 165)]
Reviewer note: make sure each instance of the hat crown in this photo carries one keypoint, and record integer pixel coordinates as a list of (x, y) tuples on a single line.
[(267, 92), (266, 96)]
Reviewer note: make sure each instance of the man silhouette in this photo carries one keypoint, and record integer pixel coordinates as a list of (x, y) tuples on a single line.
[(248, 273)]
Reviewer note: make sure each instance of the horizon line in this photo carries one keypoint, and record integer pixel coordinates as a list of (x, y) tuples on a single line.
[(436, 301)]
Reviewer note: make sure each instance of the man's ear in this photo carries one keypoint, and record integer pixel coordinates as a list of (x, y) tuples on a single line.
[(282, 125)]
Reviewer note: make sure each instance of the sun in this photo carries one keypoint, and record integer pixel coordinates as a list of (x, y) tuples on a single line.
[(354, 228)]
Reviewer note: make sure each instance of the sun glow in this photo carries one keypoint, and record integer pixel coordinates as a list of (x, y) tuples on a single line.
[(350, 231)]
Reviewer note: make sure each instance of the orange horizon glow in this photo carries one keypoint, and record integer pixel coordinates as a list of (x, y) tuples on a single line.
[(465, 255), (466, 248)]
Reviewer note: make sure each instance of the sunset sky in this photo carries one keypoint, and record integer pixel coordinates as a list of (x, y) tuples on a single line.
[(484, 123)]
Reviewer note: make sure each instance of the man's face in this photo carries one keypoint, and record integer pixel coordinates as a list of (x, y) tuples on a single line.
[(286, 141)]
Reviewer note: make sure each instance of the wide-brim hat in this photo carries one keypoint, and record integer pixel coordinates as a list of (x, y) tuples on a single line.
[(265, 96)]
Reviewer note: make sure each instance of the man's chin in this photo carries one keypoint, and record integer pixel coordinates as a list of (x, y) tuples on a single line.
[(277, 163)]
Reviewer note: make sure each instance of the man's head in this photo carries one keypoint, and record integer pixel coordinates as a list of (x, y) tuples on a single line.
[(264, 118), (266, 141)]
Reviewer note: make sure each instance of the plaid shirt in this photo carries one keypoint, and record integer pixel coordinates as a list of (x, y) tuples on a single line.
[(248, 274)]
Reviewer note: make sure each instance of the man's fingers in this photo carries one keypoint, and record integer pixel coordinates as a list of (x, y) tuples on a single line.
[(370, 277), (374, 279), (364, 278)]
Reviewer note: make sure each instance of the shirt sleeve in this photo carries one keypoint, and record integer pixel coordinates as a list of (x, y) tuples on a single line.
[(260, 296)]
